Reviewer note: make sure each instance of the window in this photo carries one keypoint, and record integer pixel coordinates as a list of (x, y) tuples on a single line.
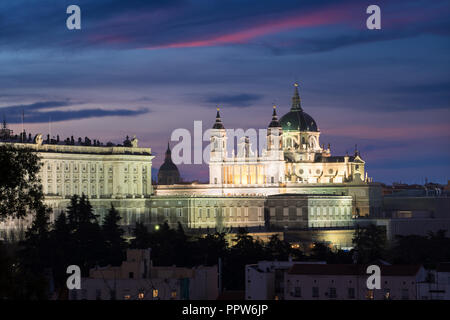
[(173, 294), (166, 212), (155, 293), (131, 275), (297, 292), (141, 295), (180, 212), (405, 294), (127, 297), (351, 293), (387, 294), (369, 295), (200, 212), (207, 213), (98, 294), (332, 293), (315, 292)]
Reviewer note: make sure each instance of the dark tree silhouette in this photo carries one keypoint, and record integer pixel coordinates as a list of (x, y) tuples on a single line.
[(20, 187), (370, 243), (113, 237)]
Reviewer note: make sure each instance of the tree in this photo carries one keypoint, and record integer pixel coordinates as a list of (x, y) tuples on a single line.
[(88, 246), (209, 249), (20, 186), (113, 237), (280, 250), (370, 243), (142, 237), (36, 250), (62, 245)]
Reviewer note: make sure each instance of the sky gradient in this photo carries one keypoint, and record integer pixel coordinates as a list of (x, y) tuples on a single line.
[(145, 68)]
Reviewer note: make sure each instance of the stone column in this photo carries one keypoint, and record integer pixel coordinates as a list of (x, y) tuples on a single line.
[(139, 180)]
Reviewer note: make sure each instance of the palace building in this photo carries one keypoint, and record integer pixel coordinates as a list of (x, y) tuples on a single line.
[(117, 174)]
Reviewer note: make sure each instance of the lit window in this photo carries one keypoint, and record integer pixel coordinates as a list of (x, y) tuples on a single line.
[(173, 294), (141, 295), (127, 297), (155, 293)]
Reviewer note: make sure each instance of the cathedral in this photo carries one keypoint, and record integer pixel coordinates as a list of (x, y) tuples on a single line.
[(293, 155)]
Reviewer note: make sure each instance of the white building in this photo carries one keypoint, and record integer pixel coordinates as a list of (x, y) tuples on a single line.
[(138, 279), (349, 282), (118, 174), (437, 284), (265, 280)]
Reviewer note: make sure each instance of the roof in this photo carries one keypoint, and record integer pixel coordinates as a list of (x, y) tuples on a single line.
[(232, 295), (352, 269), (443, 267), (297, 120), (218, 124), (319, 158), (168, 166)]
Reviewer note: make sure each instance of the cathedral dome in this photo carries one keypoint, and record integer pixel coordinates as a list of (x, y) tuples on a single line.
[(296, 119), (168, 172), (168, 166)]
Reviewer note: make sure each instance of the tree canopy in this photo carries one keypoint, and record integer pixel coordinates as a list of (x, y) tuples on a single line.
[(20, 186)]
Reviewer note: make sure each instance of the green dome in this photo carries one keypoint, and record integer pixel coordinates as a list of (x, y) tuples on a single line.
[(297, 119)]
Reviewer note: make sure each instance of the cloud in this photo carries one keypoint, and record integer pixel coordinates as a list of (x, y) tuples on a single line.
[(181, 24), (40, 112), (234, 100)]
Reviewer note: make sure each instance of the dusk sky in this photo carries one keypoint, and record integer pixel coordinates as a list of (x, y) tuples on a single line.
[(145, 68)]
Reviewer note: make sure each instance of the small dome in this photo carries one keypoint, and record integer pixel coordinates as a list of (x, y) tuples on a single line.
[(168, 172), (274, 123), (168, 166), (218, 124)]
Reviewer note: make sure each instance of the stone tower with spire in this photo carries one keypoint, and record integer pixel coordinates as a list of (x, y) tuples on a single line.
[(218, 150)]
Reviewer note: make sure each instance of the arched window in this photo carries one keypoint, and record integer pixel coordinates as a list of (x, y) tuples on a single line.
[(289, 142)]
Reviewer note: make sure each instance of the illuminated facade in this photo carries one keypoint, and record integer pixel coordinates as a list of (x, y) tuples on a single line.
[(293, 155), (107, 174), (292, 163)]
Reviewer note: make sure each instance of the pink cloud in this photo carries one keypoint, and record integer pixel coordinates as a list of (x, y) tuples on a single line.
[(319, 18)]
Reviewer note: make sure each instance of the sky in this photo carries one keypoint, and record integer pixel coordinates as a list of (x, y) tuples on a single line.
[(146, 68)]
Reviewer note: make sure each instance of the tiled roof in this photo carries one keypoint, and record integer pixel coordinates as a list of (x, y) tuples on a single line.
[(352, 269), (443, 267)]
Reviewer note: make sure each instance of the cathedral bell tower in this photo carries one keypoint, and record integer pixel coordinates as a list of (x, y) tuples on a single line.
[(218, 151), (274, 135)]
